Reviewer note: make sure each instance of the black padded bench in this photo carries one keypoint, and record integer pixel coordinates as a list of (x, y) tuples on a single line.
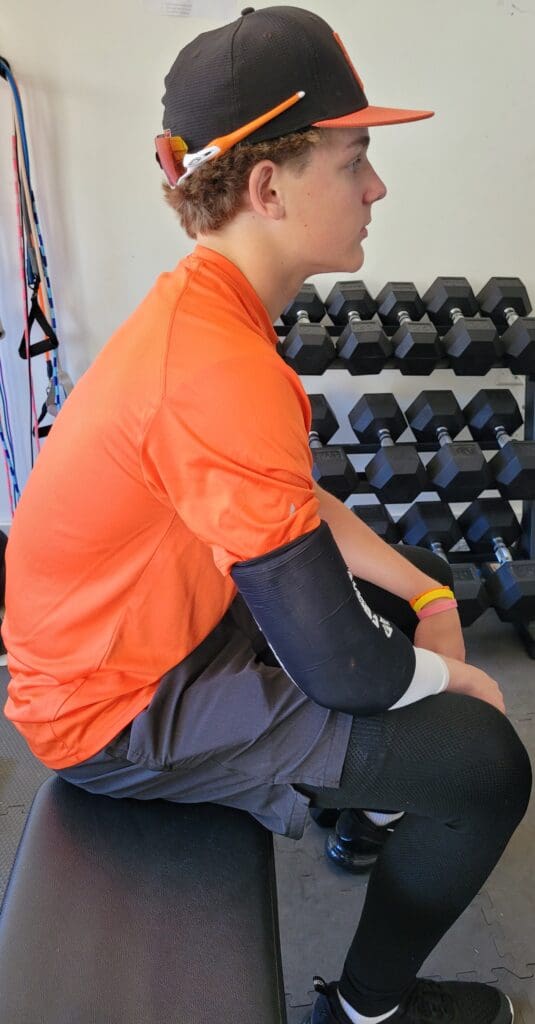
[(133, 912)]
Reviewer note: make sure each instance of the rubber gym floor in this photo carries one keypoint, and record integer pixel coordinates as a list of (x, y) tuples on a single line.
[(319, 904)]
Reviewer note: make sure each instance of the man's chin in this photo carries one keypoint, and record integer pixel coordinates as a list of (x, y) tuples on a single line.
[(349, 265), (357, 261)]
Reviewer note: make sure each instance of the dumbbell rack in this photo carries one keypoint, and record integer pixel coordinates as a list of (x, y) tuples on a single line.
[(527, 544)]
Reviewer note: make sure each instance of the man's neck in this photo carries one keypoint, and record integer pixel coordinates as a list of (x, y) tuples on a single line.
[(275, 282)]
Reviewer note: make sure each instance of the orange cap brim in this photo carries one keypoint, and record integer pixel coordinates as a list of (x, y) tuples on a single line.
[(373, 117)]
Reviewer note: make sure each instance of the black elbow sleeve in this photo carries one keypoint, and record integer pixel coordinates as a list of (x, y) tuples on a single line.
[(332, 645)]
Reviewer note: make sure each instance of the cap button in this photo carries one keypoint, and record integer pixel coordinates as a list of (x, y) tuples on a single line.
[(248, 10)]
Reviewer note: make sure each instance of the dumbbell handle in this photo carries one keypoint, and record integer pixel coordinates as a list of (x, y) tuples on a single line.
[(385, 438), (511, 315), (354, 318), (403, 316), (314, 440), (302, 317), (443, 437), (502, 436), (436, 547), (456, 314), (501, 550)]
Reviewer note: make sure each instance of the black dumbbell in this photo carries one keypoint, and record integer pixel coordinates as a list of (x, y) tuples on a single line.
[(416, 344), (493, 414), (332, 468), (506, 301), (308, 347), (472, 344), (491, 523), (363, 345), (378, 518), (431, 524), (395, 472), (459, 469)]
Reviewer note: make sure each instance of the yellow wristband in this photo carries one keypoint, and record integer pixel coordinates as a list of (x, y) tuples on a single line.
[(420, 601)]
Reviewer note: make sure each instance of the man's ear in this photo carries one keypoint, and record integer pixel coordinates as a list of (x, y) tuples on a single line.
[(266, 190)]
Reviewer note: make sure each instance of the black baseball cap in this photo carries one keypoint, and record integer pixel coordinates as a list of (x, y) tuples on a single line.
[(269, 73)]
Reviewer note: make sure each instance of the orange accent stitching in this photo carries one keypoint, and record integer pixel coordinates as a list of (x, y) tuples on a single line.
[(349, 61)]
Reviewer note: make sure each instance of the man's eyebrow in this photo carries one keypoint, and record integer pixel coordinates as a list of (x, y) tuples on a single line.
[(355, 143)]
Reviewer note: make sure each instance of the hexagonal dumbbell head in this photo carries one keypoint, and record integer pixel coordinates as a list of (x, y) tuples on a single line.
[(487, 522), (399, 298), (470, 592), (511, 590), (395, 472), (416, 345), (307, 348), (446, 294), (362, 346), (374, 414), (513, 468), (472, 345), (332, 469), (346, 297), (306, 299), (430, 524), (378, 518), (505, 300), (433, 525), (460, 471), (433, 410), (491, 409), (494, 412), (511, 584), (324, 421), (500, 294)]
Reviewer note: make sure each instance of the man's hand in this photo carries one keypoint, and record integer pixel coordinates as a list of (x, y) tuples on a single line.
[(442, 634), (475, 683)]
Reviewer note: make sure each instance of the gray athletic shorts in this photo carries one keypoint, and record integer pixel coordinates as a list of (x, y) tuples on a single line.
[(225, 727), (228, 726)]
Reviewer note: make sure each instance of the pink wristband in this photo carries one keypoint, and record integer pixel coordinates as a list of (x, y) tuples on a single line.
[(434, 607)]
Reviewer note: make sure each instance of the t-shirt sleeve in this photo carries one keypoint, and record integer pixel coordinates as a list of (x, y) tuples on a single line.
[(231, 453)]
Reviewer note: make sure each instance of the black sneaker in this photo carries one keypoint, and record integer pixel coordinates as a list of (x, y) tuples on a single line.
[(429, 1002), (356, 841)]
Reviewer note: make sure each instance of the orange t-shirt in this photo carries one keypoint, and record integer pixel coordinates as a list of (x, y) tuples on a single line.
[(182, 450)]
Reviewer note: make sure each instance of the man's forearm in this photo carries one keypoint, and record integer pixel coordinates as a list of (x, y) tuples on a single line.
[(366, 555)]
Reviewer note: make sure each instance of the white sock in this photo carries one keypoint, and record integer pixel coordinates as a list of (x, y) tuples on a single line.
[(359, 1018), (382, 819)]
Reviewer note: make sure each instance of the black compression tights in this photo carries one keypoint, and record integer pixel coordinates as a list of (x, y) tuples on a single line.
[(457, 768)]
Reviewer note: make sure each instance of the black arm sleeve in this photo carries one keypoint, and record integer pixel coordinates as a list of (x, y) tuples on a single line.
[(317, 623)]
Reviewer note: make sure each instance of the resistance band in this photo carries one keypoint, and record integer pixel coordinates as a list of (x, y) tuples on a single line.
[(37, 301)]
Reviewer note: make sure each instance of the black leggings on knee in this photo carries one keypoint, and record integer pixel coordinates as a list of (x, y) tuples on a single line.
[(457, 768)]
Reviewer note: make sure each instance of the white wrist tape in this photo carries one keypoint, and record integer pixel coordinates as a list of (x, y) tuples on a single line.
[(431, 675)]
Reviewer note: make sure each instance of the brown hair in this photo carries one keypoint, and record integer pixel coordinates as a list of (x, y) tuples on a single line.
[(213, 195)]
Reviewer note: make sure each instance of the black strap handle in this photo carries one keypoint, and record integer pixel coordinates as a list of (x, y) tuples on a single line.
[(49, 342)]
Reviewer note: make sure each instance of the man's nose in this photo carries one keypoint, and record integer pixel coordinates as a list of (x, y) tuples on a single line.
[(376, 188)]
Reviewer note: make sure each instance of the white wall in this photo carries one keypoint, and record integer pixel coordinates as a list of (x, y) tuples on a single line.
[(461, 199)]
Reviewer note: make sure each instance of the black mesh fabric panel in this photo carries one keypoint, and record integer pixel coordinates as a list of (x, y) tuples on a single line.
[(227, 77)]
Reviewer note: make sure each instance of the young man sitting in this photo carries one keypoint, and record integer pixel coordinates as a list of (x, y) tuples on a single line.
[(200, 621)]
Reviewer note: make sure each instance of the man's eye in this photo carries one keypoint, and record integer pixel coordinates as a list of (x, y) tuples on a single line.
[(355, 163)]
